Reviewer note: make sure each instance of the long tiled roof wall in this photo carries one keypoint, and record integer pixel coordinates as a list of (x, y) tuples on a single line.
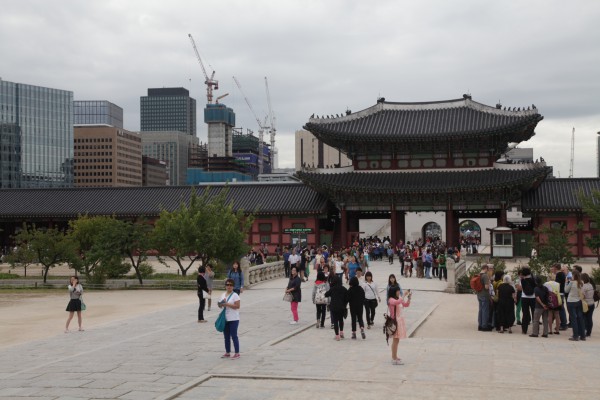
[(559, 194), (424, 182), (387, 120), (134, 201)]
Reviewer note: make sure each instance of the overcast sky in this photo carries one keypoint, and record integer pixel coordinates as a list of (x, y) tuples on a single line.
[(322, 57)]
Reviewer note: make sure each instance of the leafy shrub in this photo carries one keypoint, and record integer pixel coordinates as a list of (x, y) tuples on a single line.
[(146, 270), (6, 275), (596, 275)]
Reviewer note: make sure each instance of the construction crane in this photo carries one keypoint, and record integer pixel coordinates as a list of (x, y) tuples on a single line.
[(261, 127), (272, 130), (572, 153), (210, 82)]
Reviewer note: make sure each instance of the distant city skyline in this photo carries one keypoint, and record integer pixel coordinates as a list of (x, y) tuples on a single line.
[(323, 57)]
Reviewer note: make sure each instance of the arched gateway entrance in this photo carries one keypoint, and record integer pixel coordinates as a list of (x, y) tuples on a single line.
[(431, 231), (440, 156)]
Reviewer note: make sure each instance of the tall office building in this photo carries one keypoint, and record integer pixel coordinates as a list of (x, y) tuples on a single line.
[(97, 112), (36, 136), (106, 156), (168, 109), (313, 153), (173, 148)]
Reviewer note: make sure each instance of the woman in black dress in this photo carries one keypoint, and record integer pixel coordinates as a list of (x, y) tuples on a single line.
[(507, 297), (74, 306)]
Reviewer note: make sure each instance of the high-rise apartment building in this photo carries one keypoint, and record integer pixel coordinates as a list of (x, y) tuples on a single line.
[(36, 136), (97, 112), (171, 147), (168, 109), (107, 156)]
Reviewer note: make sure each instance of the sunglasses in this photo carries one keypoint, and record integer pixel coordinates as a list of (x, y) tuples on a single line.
[(228, 284)]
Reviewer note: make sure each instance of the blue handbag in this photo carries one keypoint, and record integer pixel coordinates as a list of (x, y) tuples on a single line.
[(221, 319)]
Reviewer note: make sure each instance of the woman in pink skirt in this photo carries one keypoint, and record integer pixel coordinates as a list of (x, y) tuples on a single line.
[(395, 305)]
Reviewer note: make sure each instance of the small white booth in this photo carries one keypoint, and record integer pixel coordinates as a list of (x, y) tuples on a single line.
[(501, 239)]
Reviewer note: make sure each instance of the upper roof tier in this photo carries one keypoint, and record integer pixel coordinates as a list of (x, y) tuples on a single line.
[(397, 122)]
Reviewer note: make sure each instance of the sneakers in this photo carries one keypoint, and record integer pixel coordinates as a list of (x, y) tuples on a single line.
[(397, 362), (341, 334), (293, 322), (235, 356), (226, 355), (362, 333), (318, 324), (354, 335), (337, 337)]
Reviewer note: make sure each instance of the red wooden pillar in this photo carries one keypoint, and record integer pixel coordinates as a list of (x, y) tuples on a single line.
[(344, 226), (394, 227), (450, 239), (502, 219), (280, 231), (317, 232), (401, 222), (579, 236)]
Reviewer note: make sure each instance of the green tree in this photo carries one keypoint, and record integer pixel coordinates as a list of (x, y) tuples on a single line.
[(207, 228), (133, 240), (552, 245), (591, 207), (50, 246), (21, 257), (98, 241)]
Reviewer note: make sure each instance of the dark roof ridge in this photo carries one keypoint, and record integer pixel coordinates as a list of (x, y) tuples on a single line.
[(383, 105)]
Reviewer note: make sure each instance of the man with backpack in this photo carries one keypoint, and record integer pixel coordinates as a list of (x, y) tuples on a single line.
[(442, 265), (480, 283)]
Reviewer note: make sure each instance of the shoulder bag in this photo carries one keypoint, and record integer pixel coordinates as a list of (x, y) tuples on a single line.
[(221, 319), (584, 303)]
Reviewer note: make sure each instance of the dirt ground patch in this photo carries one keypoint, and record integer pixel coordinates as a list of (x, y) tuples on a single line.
[(28, 314)]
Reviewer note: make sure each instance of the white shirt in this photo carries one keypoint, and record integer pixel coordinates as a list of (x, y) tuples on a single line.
[(230, 313), (293, 259), (371, 290)]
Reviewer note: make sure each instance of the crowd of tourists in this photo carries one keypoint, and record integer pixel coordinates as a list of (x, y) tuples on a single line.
[(530, 300)]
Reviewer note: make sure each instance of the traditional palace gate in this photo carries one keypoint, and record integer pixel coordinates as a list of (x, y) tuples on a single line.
[(435, 156)]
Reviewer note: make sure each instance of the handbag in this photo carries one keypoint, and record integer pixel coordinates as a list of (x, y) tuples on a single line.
[(584, 303), (288, 297), (390, 326), (83, 306), (205, 295), (222, 319)]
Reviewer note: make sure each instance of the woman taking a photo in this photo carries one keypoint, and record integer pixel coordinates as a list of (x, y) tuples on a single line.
[(395, 305), (293, 287), (230, 300), (74, 306)]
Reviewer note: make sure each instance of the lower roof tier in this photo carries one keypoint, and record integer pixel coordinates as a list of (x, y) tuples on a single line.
[(439, 182), (559, 195)]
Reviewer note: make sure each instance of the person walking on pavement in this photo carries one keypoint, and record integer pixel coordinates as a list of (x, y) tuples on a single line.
[(337, 306), (293, 287), (395, 305), (371, 297), (202, 293), (318, 297), (356, 300), (209, 276), (230, 300)]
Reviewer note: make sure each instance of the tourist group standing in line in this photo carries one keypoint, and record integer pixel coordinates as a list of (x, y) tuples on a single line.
[(541, 303)]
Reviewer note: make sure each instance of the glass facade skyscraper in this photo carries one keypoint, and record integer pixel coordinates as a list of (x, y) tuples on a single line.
[(97, 112), (36, 136), (168, 109)]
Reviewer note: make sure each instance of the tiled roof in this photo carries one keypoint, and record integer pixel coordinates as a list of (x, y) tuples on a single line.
[(425, 182), (464, 117), (265, 198), (559, 194)]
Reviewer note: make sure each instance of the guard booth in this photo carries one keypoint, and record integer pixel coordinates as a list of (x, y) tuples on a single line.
[(502, 242)]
